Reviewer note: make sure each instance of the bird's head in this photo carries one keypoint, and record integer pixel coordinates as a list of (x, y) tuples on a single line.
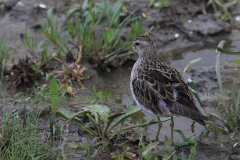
[(143, 45)]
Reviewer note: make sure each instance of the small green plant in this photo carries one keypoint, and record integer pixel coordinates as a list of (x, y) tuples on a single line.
[(111, 38), (143, 149), (4, 54), (113, 12), (54, 105), (2, 7), (103, 122), (153, 151), (92, 43), (38, 50), (228, 107), (77, 32), (238, 61), (40, 94), (3, 66), (103, 96), (72, 72), (193, 153), (224, 6), (98, 48), (21, 139), (187, 141), (136, 30), (59, 40), (95, 16), (231, 114), (87, 146), (3, 50), (137, 27), (195, 93), (31, 44)]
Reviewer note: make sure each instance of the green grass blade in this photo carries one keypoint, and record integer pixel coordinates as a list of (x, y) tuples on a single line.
[(238, 61), (92, 121), (112, 118), (195, 93), (153, 121), (218, 68), (3, 66), (227, 52), (101, 110), (237, 104), (215, 116), (72, 119), (191, 62), (73, 9), (129, 112), (54, 92), (167, 141), (181, 134)]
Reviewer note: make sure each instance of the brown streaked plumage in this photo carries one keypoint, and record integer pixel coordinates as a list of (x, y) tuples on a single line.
[(158, 87)]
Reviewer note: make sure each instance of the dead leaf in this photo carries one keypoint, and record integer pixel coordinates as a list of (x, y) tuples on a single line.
[(151, 144), (132, 155), (133, 139), (124, 9)]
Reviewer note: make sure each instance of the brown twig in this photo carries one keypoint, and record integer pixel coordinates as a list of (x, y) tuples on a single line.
[(159, 38), (80, 53)]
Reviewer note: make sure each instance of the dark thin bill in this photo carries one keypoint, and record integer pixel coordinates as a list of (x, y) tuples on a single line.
[(125, 50)]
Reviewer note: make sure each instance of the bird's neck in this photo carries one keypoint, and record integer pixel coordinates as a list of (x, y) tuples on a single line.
[(146, 63), (149, 58)]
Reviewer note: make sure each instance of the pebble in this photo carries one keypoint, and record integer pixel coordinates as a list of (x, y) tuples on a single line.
[(234, 157), (42, 6), (237, 18), (176, 35), (20, 3)]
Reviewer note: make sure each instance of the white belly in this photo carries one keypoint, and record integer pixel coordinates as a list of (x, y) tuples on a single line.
[(139, 103)]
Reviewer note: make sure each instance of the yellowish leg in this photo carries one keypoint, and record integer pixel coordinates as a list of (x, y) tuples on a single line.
[(159, 128), (172, 127)]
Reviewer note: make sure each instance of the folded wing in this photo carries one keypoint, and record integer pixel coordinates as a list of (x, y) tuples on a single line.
[(166, 93)]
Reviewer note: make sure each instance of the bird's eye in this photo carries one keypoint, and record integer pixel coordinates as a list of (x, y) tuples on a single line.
[(136, 43)]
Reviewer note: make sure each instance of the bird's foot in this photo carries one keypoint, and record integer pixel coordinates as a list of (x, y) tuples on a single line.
[(158, 140)]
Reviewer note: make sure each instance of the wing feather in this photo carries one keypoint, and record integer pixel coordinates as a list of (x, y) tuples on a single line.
[(165, 93)]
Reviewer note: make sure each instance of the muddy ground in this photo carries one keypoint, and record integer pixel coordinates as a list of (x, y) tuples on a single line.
[(181, 31)]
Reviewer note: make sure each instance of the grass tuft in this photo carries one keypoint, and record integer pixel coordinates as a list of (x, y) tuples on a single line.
[(21, 140)]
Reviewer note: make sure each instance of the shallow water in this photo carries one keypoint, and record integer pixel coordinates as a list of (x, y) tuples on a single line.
[(117, 82)]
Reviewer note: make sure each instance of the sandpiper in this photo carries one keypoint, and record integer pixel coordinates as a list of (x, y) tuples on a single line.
[(159, 88)]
